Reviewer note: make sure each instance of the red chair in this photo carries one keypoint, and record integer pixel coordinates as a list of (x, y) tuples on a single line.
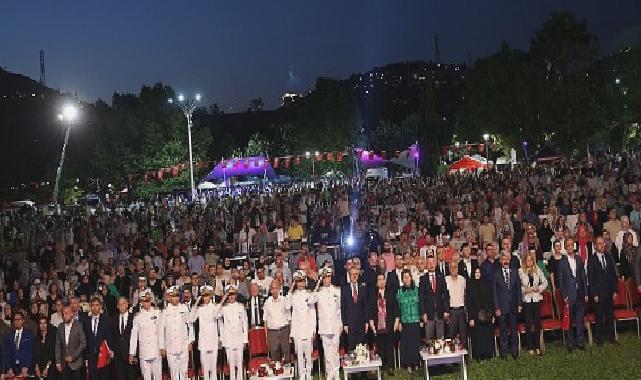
[(258, 351), (550, 319), (622, 309), (633, 292)]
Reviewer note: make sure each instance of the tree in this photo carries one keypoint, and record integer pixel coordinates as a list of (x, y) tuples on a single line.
[(258, 145), (328, 118)]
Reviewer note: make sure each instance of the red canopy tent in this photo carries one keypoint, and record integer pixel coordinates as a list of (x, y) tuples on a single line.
[(467, 163)]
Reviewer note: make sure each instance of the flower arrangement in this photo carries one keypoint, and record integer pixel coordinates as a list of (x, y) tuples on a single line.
[(361, 354), (270, 369)]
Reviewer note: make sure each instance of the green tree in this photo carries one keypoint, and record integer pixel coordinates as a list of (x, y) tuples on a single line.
[(257, 145), (328, 118)]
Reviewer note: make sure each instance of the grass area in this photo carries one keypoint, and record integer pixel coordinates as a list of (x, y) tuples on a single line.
[(622, 361)]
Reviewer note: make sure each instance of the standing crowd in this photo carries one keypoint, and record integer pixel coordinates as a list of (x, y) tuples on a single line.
[(315, 270)]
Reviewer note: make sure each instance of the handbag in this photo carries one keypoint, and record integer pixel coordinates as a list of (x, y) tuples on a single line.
[(484, 315)]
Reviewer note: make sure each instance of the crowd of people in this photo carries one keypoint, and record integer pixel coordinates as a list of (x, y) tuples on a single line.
[(167, 285)]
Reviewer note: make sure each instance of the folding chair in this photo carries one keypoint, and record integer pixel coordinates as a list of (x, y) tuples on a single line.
[(550, 318), (622, 309)]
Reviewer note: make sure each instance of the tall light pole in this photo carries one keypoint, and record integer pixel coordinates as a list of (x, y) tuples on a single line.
[(68, 117), (188, 107), (486, 137)]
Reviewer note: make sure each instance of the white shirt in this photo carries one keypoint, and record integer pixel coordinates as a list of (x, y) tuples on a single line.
[(572, 262), (254, 312), (123, 321), (456, 288), (67, 332), (95, 319), (275, 314), (17, 337)]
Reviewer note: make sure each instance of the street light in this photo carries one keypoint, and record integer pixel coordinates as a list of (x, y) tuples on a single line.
[(68, 115), (188, 107)]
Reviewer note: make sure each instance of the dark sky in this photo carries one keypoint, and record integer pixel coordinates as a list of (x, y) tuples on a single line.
[(232, 51)]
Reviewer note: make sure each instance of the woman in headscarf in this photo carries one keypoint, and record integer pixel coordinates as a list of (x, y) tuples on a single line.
[(480, 311)]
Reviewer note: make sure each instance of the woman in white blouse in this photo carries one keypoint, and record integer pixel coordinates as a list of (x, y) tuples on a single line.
[(533, 283)]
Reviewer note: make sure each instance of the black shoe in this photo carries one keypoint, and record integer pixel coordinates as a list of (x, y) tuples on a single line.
[(515, 356), (582, 347), (570, 349)]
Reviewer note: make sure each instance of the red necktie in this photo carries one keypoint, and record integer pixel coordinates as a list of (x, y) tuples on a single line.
[(354, 293), (433, 280)]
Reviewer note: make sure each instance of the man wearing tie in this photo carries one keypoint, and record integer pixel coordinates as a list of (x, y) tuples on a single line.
[(121, 329), (573, 287), (70, 344), (467, 265), (507, 301), (603, 284), (255, 306), (353, 313), (393, 281), (18, 355), (97, 330), (434, 301)]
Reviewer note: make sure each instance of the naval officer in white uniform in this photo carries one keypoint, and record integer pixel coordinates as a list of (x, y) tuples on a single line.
[(330, 324), (234, 333), (145, 335), (303, 325), (208, 313), (176, 335)]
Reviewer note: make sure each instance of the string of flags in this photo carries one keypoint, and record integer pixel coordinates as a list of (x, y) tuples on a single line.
[(468, 148), (277, 162)]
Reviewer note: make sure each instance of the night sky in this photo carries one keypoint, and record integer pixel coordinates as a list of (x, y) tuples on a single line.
[(232, 51)]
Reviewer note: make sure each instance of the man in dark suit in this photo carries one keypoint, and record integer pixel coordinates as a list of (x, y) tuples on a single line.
[(491, 265), (603, 285), (382, 310), (442, 266), (353, 309), (70, 344), (121, 329), (434, 301), (370, 271), (507, 302), (574, 289), (97, 329), (254, 307), (467, 265), (18, 344), (393, 281)]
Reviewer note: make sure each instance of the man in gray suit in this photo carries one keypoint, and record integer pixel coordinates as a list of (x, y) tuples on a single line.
[(70, 344)]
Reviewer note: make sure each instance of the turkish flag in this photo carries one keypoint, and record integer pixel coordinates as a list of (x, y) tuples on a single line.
[(104, 356), (287, 159)]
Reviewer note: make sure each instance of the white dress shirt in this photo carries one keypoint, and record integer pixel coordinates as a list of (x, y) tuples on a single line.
[(572, 262), (275, 314), (123, 321), (67, 332), (456, 288)]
